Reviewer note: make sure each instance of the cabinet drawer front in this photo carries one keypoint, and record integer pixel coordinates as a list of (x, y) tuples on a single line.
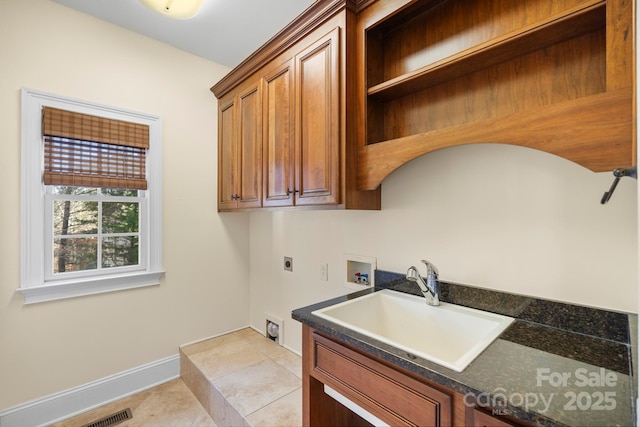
[(481, 419), (376, 386)]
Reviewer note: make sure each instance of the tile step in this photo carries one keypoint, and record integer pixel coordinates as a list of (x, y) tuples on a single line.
[(244, 379)]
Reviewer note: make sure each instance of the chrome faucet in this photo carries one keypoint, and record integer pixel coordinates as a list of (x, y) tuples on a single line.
[(431, 288)]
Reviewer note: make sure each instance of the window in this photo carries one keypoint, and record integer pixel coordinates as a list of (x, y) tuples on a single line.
[(90, 230), (91, 198)]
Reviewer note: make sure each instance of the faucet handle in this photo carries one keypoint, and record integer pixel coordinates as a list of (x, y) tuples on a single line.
[(431, 269)]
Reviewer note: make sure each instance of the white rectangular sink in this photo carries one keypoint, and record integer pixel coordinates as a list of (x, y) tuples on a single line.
[(450, 335)]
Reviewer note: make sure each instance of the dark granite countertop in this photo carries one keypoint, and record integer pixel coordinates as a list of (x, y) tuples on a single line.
[(557, 364)]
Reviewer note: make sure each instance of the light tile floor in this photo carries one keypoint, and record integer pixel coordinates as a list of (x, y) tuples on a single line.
[(168, 405), (241, 379), (244, 379)]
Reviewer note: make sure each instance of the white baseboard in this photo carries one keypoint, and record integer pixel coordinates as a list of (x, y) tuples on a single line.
[(68, 403)]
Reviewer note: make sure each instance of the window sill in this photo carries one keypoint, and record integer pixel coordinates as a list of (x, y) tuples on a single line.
[(89, 286)]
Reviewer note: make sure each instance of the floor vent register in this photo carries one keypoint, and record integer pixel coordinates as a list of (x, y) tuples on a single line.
[(112, 420)]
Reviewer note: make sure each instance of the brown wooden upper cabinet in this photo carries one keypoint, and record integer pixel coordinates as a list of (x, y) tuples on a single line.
[(307, 124), (278, 131), (353, 89), (240, 149), (301, 127)]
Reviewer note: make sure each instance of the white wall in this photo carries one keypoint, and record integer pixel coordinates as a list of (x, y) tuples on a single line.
[(500, 217), (50, 347)]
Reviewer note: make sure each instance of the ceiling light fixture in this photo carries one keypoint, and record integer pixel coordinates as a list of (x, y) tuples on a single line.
[(177, 9)]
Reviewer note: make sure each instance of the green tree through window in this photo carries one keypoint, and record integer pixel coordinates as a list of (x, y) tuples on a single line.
[(95, 228)]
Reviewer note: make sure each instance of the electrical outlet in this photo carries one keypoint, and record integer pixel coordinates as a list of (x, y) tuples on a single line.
[(324, 271), (288, 263)]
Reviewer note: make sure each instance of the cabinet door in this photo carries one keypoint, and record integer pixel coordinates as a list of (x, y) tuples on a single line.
[(227, 156), (250, 148), (278, 137), (318, 122), (390, 395)]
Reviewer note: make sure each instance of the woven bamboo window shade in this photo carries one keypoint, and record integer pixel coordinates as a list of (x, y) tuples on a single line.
[(88, 151)]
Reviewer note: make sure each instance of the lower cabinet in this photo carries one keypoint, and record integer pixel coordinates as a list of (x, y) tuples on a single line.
[(343, 386), (479, 418)]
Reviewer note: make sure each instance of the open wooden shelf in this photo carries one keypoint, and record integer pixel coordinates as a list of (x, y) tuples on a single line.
[(552, 76), (574, 130), (579, 20)]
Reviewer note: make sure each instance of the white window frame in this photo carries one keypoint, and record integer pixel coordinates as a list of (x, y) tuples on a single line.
[(34, 284)]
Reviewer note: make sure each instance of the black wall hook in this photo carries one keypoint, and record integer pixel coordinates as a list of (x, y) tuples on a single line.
[(619, 173)]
